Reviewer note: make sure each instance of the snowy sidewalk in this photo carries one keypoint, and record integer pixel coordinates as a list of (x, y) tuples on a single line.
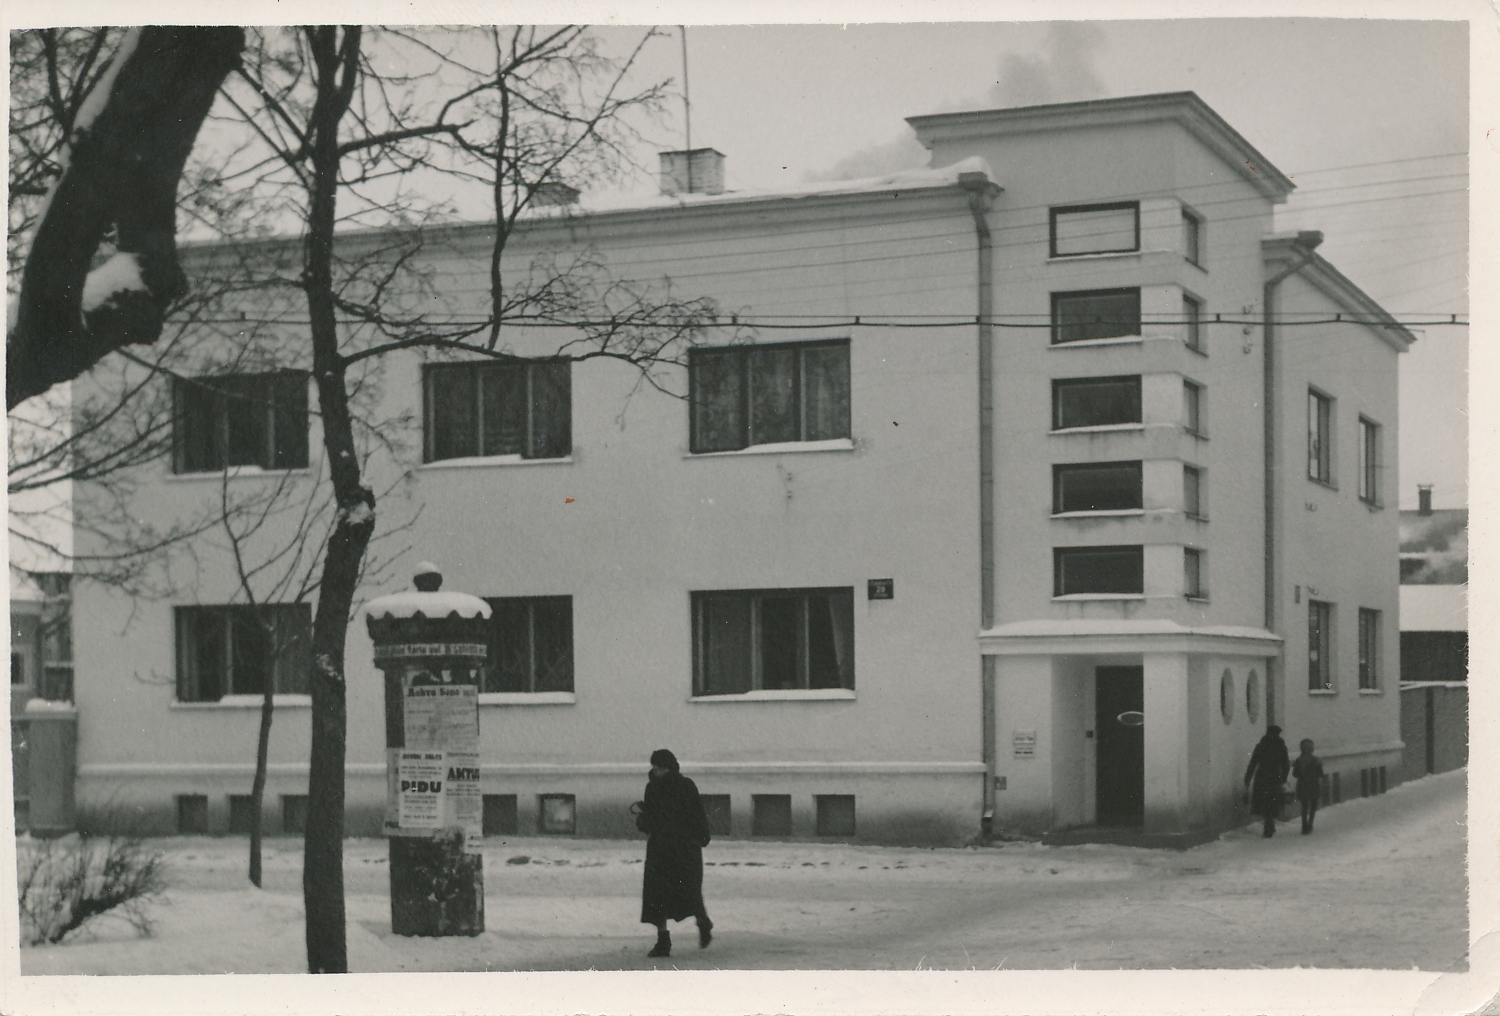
[(1380, 884)]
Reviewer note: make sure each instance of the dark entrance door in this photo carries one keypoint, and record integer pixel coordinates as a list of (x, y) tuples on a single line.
[(1119, 726)]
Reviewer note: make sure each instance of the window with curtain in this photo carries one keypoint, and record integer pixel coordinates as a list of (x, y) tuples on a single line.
[(773, 639), (741, 396), (492, 409), (236, 650)]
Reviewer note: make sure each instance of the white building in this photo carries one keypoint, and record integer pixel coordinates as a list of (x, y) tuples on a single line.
[(1011, 513)]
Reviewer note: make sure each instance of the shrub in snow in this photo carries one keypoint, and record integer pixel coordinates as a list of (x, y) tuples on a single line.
[(63, 884)]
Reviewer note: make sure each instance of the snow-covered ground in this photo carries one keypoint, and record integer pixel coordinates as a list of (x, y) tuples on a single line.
[(1381, 884)]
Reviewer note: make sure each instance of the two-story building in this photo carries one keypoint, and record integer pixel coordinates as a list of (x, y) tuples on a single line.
[(1016, 495)]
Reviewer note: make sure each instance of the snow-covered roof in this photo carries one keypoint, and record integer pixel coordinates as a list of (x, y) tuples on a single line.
[(1434, 608), (439, 604)]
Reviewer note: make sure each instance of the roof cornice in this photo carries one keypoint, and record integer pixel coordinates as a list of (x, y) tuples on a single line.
[(1184, 108), (1335, 285)]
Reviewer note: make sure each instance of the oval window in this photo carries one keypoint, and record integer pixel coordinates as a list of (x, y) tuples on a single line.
[(1226, 695), (1252, 696)]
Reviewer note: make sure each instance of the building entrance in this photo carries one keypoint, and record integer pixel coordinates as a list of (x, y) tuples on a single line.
[(1119, 725)]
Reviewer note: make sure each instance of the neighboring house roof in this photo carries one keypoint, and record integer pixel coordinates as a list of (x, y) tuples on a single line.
[(1434, 608), (1184, 108), (1435, 547)]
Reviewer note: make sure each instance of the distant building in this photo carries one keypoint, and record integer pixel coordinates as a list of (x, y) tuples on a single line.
[(1434, 637)]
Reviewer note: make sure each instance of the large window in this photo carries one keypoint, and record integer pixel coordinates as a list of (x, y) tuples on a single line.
[(1319, 437), (531, 644), (236, 650), (768, 394), (240, 420), (1095, 401), (1095, 314), (1096, 229), (1096, 486), (489, 409), (1085, 570), (1319, 646), (773, 639), (1369, 649), (1369, 461)]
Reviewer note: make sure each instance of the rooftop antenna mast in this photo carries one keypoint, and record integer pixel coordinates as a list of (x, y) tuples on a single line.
[(687, 109)]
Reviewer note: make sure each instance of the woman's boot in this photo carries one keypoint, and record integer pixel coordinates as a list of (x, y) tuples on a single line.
[(663, 943)]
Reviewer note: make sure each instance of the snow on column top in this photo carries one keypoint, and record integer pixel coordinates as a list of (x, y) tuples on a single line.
[(426, 599)]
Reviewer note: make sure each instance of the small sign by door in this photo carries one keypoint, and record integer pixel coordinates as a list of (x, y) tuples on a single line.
[(1023, 743), (882, 589)]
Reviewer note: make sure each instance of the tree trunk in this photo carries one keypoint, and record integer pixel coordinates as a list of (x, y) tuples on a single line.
[(124, 161), (258, 788), (323, 849)]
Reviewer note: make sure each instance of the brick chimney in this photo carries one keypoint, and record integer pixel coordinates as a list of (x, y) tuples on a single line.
[(699, 171), (1424, 499)]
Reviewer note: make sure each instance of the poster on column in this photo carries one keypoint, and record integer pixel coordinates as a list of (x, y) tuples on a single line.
[(439, 714), (421, 776), (465, 802)]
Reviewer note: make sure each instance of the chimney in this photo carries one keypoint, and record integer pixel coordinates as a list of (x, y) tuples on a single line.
[(1424, 499), (553, 194), (700, 171)]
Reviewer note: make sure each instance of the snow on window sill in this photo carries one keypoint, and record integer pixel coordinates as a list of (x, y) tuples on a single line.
[(837, 444), (1080, 597), (527, 698), (787, 695), (237, 473), (481, 461), (1329, 692), (1196, 599), (1371, 691), (1102, 513), (1118, 340), (247, 702), (1101, 428)]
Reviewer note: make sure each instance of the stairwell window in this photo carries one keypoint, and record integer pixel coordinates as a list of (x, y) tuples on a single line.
[(239, 420), (1319, 646), (741, 396), (237, 650), (523, 410), (1095, 314), (1096, 229), (772, 640), (1319, 436)]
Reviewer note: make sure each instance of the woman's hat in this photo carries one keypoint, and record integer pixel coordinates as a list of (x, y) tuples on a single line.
[(1273, 730), (664, 758)]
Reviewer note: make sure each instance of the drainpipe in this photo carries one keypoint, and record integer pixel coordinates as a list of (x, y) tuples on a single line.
[(982, 191), (1306, 242)]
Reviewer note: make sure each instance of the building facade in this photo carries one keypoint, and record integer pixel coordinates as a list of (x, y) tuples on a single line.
[(1014, 496)]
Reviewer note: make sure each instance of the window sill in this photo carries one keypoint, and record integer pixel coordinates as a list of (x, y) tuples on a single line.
[(1103, 513), (1326, 484), (1102, 255), (527, 698), (1201, 435), (1195, 599), (236, 473), (1372, 691), (1194, 517), (788, 695), (1196, 349), (837, 444), (247, 702), (482, 461), (1118, 340), (1324, 692), (1195, 264), (1374, 506), (1085, 597), (1101, 428)]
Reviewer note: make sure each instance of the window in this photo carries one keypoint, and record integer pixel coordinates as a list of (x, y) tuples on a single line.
[(1369, 461), (1226, 695), (1096, 486), (17, 668), (519, 409), (1095, 401), (1319, 646), (1083, 570), (771, 815), (1252, 696), (750, 395), (531, 644), (1192, 407), (192, 814), (773, 639), (236, 650), (1192, 237), (1192, 566), (557, 815), (1369, 649), (240, 420), (294, 814), (1192, 319), (241, 814), (1192, 492), (1095, 314), (835, 814), (1319, 437), (499, 815), (1096, 229), (716, 808)]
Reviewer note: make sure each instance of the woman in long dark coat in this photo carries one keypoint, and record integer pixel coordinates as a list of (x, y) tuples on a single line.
[(1265, 777), (673, 817)]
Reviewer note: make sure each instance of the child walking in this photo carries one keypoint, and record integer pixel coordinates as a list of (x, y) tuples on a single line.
[(1308, 772)]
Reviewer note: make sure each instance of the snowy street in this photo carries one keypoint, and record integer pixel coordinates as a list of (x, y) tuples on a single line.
[(1380, 884)]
